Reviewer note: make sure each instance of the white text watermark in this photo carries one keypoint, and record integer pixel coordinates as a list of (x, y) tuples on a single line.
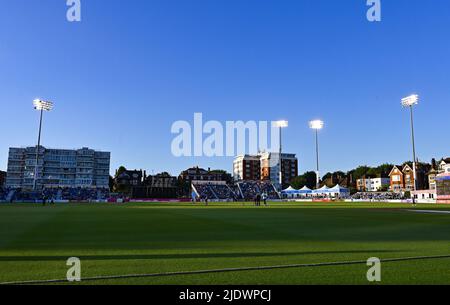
[(74, 11), (74, 272), (214, 139), (374, 272), (374, 12)]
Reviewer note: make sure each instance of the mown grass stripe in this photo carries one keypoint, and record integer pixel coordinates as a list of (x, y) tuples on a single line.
[(259, 268)]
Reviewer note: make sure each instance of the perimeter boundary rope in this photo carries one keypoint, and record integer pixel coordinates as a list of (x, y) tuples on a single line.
[(258, 268)]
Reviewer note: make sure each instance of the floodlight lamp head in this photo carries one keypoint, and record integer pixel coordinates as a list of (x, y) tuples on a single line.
[(316, 124), (282, 124), (410, 100), (42, 105)]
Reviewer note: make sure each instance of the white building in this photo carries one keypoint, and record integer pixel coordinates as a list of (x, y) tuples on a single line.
[(247, 167), (372, 184), (444, 166), (425, 196), (58, 168)]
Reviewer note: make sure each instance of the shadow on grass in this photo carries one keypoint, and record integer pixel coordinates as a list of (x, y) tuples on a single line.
[(185, 255)]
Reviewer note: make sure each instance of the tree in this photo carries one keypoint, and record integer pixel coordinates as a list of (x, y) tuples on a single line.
[(385, 169), (384, 188), (120, 170), (327, 176), (111, 183), (360, 172), (118, 187), (308, 179), (164, 174), (380, 171)]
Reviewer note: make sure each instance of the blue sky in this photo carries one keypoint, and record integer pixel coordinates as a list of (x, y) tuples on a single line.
[(123, 75)]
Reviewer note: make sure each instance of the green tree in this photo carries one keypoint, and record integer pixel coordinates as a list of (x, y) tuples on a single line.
[(380, 171), (111, 183), (360, 172), (308, 179), (120, 170)]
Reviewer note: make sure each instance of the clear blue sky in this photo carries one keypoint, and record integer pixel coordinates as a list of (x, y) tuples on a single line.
[(122, 76)]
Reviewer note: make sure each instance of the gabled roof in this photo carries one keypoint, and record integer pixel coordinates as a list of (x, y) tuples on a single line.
[(399, 167), (406, 166), (446, 161)]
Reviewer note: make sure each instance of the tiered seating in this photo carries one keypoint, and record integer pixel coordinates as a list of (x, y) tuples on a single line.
[(223, 192), (3, 193), (205, 191), (24, 196), (250, 189), (79, 194), (72, 194), (51, 194), (102, 194), (377, 196), (269, 189)]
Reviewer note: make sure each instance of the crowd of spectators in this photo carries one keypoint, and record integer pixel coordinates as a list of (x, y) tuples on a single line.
[(103, 194), (216, 192), (268, 188), (4, 192), (26, 196), (251, 189), (223, 192), (381, 196), (205, 191), (54, 194), (84, 194)]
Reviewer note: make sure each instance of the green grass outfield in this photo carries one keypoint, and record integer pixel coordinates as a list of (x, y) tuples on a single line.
[(35, 242)]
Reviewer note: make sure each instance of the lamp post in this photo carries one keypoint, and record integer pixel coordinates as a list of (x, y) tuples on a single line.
[(41, 106), (281, 125), (410, 101), (317, 125)]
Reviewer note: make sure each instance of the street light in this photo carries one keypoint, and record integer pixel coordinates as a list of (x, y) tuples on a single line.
[(410, 101), (317, 125), (41, 106), (281, 125)]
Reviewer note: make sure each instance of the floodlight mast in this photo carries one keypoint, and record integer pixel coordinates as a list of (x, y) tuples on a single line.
[(317, 125), (281, 125), (410, 101), (41, 106)]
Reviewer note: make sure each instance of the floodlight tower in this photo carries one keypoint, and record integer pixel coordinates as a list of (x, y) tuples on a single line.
[(281, 125), (317, 125), (410, 101), (41, 106)]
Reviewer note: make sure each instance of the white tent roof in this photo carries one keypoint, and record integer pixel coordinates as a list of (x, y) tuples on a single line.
[(289, 189), (338, 188), (322, 190), (305, 188)]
